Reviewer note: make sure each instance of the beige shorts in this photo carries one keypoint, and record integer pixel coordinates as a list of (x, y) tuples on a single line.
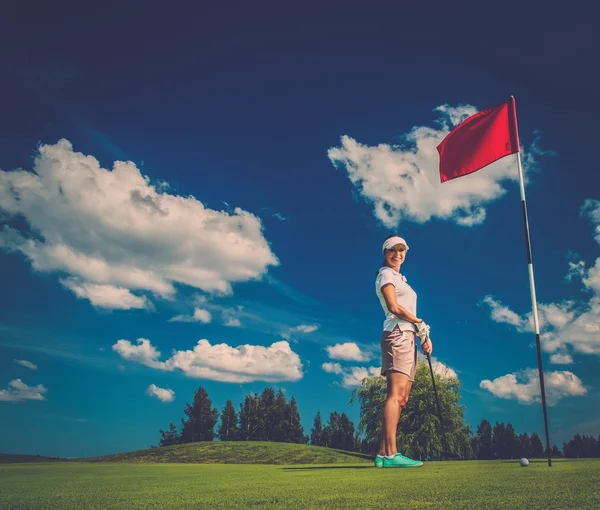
[(399, 352)]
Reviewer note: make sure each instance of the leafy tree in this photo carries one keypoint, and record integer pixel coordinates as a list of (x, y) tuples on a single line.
[(419, 429), (316, 433), (201, 419), (250, 421), (170, 437), (484, 442), (537, 449), (228, 430), (295, 431)]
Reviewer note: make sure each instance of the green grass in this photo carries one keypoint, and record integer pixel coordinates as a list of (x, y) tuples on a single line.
[(238, 452), (468, 484)]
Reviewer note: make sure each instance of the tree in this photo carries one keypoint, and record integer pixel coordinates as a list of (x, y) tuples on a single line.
[(419, 429), (280, 418), (483, 440), (524, 446), (511, 441), (201, 419), (499, 441), (556, 452), (295, 431), (537, 449), (250, 418), (169, 437), (316, 433), (340, 432), (268, 415), (228, 430)]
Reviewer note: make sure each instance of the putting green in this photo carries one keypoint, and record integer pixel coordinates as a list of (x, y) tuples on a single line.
[(468, 484)]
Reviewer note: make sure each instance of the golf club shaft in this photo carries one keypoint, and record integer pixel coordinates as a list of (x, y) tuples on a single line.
[(437, 400)]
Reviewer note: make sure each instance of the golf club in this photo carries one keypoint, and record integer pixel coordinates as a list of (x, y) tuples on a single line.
[(445, 452)]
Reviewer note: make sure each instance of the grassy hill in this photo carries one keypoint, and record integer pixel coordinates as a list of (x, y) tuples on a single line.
[(238, 452)]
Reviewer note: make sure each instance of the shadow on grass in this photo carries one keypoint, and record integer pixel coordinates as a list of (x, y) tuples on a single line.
[(311, 468)]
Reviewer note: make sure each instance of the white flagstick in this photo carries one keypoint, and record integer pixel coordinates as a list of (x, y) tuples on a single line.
[(536, 322)]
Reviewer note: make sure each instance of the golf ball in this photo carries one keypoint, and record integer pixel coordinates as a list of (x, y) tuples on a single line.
[(524, 462)]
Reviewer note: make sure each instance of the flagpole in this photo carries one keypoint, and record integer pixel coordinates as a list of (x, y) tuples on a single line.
[(536, 322)]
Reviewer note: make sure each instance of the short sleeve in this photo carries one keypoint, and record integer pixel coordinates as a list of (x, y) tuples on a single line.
[(385, 277)]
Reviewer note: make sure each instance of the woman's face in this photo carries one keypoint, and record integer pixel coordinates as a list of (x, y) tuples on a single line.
[(395, 256)]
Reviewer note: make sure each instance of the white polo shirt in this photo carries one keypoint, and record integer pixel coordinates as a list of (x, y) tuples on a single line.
[(405, 296)]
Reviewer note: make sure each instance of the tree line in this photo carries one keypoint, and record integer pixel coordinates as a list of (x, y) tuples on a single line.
[(270, 417), (265, 417)]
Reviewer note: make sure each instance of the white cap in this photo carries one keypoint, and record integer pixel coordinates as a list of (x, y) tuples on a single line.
[(393, 241)]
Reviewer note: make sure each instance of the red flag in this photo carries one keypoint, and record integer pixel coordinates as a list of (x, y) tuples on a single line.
[(479, 140)]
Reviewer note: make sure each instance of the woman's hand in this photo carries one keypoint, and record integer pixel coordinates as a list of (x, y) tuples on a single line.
[(427, 347)]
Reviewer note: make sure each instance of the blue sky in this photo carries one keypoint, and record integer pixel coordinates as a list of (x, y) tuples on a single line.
[(198, 197)]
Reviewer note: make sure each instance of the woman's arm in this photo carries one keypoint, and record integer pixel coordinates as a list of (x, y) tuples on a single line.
[(389, 294)]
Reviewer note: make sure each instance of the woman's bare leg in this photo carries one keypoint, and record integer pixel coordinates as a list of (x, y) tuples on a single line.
[(398, 390)]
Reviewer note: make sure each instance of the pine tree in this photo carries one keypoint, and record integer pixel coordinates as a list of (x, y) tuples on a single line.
[(170, 437), (537, 450), (268, 419), (295, 431), (556, 452), (228, 430), (499, 441), (316, 433), (524, 446), (484, 440), (250, 421), (280, 418), (201, 419), (511, 442)]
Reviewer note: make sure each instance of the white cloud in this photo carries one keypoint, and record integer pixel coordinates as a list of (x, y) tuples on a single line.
[(438, 367), (25, 363), (230, 316), (443, 370), (561, 324), (220, 362), (18, 391), (144, 352), (332, 368), (561, 359), (302, 328), (106, 296), (524, 386), (576, 270), (570, 323), (348, 351), (403, 183), (115, 230), (351, 376), (354, 376), (502, 314), (162, 394), (591, 208), (200, 315)]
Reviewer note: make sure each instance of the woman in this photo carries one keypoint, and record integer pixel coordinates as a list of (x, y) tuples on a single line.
[(398, 347)]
